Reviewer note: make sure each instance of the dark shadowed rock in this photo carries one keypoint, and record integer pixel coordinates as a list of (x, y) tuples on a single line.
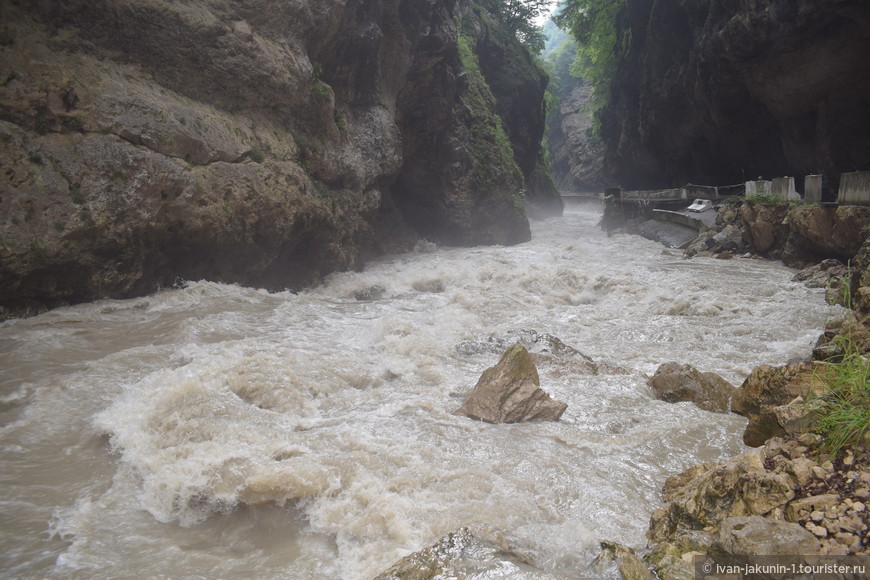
[(674, 383), (721, 92), (510, 392)]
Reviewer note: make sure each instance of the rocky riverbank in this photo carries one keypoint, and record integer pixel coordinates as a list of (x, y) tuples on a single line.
[(788, 497), (800, 235), (793, 495)]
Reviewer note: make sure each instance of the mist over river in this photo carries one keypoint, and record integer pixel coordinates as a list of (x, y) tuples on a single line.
[(217, 431)]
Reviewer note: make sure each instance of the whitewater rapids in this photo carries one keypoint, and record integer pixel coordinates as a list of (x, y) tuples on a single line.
[(217, 431)]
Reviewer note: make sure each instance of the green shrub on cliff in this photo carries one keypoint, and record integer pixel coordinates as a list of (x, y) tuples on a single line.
[(844, 413), (519, 17), (593, 24), (490, 145)]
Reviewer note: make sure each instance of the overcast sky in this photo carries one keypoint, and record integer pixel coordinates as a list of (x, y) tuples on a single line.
[(544, 17)]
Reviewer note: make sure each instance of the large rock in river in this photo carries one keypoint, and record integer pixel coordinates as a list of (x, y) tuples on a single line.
[(767, 389), (468, 552), (510, 392), (675, 383)]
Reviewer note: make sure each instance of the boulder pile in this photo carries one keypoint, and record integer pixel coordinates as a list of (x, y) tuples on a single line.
[(788, 497)]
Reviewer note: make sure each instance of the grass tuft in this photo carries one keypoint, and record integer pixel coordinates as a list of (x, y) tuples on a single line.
[(844, 412)]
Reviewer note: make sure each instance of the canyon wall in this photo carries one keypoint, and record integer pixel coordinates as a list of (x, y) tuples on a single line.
[(722, 92), (264, 142), (576, 150)]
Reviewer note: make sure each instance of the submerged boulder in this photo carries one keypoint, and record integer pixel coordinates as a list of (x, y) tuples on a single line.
[(466, 552), (674, 383), (510, 392)]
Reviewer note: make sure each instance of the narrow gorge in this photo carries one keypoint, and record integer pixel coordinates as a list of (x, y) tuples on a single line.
[(318, 289)]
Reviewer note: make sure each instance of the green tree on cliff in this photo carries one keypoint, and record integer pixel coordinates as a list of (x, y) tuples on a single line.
[(519, 17), (593, 25)]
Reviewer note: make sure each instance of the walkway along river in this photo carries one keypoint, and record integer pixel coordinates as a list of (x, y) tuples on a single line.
[(220, 431)]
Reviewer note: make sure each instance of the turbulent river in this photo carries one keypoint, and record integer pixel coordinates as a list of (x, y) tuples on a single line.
[(216, 431)]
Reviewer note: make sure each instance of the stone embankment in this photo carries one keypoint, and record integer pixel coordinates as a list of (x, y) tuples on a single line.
[(788, 497), (792, 495), (799, 235)]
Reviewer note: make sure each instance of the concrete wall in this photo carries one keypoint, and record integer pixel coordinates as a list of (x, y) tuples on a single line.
[(783, 189), (759, 187), (813, 187), (680, 218), (701, 192), (855, 188)]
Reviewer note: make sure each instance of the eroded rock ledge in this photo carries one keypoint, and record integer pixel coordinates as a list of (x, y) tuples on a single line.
[(264, 143), (785, 498)]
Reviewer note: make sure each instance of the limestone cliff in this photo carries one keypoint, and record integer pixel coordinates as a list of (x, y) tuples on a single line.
[(262, 142), (721, 92), (576, 150)]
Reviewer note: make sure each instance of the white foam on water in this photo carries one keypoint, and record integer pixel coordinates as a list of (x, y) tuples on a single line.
[(222, 431)]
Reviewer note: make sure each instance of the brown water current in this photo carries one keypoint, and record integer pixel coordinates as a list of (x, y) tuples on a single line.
[(216, 431)]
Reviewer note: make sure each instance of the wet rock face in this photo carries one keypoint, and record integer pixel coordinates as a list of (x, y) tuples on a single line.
[(800, 236), (576, 152), (785, 498), (674, 383), (469, 552), (510, 392), (766, 390), (265, 143), (722, 92)]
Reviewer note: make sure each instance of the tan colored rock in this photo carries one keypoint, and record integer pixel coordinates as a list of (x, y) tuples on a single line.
[(816, 530), (767, 388), (811, 505), (796, 417), (829, 230), (847, 539), (802, 469), (467, 552), (629, 565), (758, 536), (674, 383), (510, 392), (763, 226), (761, 492)]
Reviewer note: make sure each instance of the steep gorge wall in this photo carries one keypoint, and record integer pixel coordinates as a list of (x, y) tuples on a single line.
[(262, 142), (721, 92), (576, 150)]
